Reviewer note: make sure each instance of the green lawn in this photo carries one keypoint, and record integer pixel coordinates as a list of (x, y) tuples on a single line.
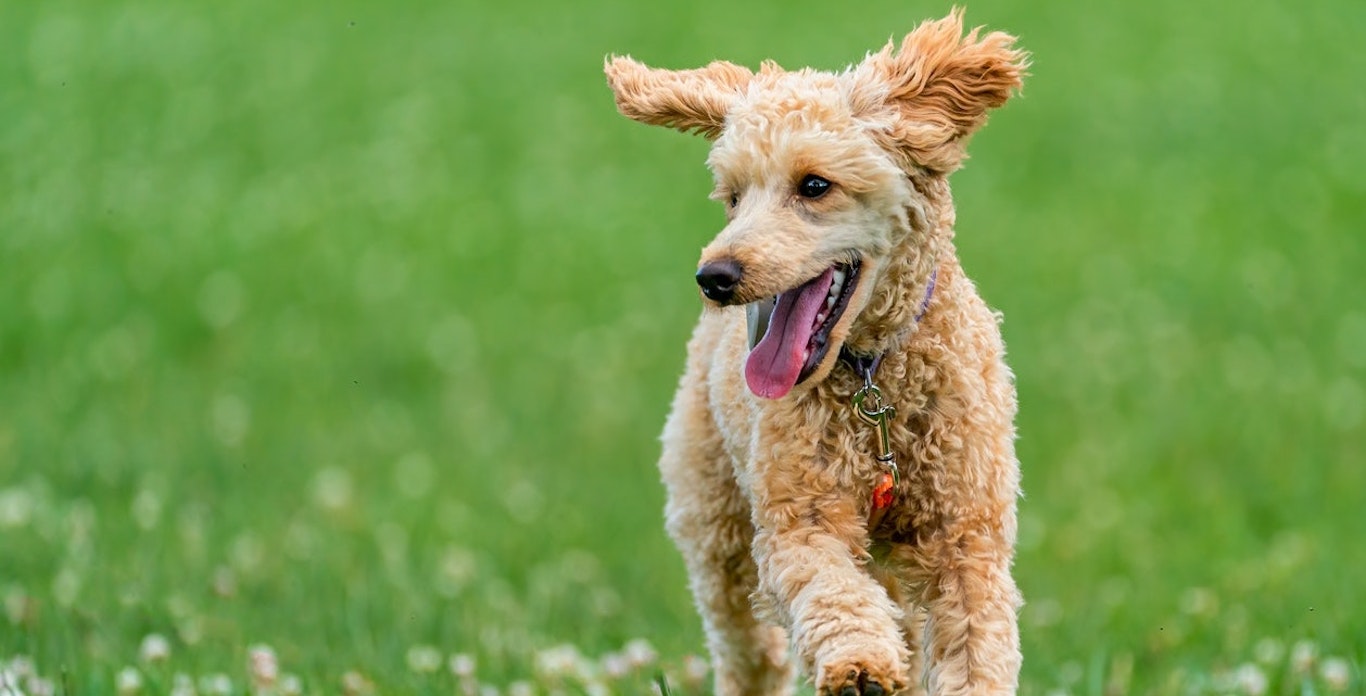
[(347, 329)]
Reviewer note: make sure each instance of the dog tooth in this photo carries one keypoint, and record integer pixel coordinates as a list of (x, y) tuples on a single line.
[(839, 277), (830, 303)]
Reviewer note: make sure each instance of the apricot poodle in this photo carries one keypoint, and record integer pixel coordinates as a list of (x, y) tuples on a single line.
[(840, 458)]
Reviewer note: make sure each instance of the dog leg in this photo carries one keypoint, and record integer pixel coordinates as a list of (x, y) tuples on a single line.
[(843, 623), (971, 637), (912, 621), (913, 627), (709, 520)]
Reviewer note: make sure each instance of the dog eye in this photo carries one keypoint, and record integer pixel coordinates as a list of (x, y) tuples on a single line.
[(813, 186), (734, 199)]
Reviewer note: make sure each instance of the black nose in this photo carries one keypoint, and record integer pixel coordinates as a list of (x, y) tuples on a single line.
[(718, 279)]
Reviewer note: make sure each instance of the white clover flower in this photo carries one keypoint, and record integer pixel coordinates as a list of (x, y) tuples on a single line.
[(263, 666), (290, 685), (1336, 673), (16, 507), (521, 688), (9, 682), (695, 669), (155, 648), (615, 665), (146, 509), (455, 571), (21, 667), (1199, 601), (462, 665), (182, 685), (1269, 651), (332, 489), (558, 661), (640, 653), (38, 686), (224, 582), (1303, 655), (424, 659), (355, 684), (216, 685), (488, 690), (1250, 679), (128, 681)]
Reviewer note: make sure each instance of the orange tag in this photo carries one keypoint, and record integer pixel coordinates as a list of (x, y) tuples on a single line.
[(882, 493)]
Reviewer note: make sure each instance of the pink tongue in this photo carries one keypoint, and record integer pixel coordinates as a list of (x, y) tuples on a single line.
[(776, 362)]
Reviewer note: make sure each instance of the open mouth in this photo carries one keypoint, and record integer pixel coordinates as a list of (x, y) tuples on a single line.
[(798, 334)]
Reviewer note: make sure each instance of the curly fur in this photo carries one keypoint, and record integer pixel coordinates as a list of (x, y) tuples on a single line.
[(769, 499)]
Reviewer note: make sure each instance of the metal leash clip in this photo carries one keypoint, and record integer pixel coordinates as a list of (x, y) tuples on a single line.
[(879, 416)]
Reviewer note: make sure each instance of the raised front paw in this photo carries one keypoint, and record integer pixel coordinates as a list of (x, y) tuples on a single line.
[(871, 673)]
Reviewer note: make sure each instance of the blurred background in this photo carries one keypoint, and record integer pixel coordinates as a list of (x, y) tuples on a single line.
[(340, 334)]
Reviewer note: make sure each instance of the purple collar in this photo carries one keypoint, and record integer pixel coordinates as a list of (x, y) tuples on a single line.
[(929, 291), (865, 365)]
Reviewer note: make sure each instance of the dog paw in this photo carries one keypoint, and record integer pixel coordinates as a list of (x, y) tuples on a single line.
[(861, 677)]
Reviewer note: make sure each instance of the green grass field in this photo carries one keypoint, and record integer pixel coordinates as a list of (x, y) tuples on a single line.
[(342, 333)]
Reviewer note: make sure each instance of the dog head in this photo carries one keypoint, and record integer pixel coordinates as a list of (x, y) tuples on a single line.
[(816, 170)]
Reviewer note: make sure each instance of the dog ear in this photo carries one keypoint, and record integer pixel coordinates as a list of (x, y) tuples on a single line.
[(692, 101), (939, 85)]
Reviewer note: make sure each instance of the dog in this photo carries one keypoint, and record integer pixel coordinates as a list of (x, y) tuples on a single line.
[(839, 458)]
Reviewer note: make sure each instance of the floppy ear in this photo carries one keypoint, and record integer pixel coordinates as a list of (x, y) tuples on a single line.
[(692, 101), (939, 86)]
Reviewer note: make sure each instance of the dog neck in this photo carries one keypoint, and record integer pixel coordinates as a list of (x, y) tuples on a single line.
[(867, 364), (904, 290)]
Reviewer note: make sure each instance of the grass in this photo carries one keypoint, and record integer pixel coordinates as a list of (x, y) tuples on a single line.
[(335, 338)]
